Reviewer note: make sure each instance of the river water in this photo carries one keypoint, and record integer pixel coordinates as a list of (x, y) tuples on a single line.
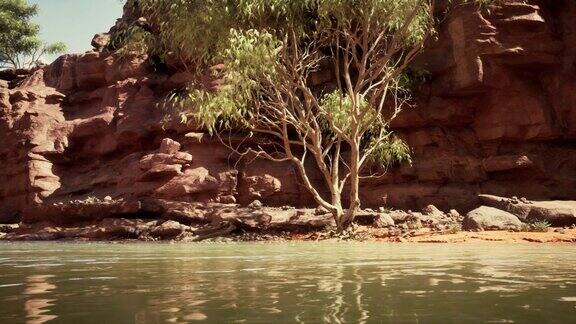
[(287, 283)]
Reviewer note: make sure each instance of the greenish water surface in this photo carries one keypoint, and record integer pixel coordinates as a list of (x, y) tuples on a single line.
[(287, 283)]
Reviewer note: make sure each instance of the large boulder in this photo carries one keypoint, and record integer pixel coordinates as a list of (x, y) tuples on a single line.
[(100, 41), (384, 220), (372, 218), (192, 181), (169, 146), (179, 211), (433, 216), (489, 218), (244, 219), (263, 186), (558, 213), (168, 230)]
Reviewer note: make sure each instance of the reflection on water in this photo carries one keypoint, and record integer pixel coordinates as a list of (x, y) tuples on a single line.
[(38, 284), (37, 309), (302, 283)]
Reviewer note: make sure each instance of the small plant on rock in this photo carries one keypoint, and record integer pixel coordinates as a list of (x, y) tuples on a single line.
[(540, 226), (455, 229), (536, 226)]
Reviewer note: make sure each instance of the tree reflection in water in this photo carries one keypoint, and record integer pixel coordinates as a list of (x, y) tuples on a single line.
[(37, 309), (232, 291)]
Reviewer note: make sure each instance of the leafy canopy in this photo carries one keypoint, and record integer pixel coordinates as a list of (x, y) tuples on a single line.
[(199, 30), (19, 42), (250, 38)]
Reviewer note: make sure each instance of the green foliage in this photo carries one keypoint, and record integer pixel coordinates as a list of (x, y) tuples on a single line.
[(455, 229), (540, 226), (389, 151), (198, 31), (248, 36), (54, 48), (134, 40), (19, 42), (249, 56), (338, 110), (535, 226)]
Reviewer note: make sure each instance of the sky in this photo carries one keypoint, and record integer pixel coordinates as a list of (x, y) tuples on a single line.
[(75, 22)]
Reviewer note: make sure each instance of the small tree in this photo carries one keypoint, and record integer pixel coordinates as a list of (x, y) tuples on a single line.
[(271, 50), (19, 43)]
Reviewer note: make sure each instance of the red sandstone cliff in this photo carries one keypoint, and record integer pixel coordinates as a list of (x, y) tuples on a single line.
[(498, 117)]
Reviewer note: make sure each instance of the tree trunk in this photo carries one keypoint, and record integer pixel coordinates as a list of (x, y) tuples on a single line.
[(348, 218), (345, 220), (338, 216)]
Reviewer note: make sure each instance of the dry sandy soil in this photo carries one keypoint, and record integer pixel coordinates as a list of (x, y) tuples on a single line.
[(553, 236)]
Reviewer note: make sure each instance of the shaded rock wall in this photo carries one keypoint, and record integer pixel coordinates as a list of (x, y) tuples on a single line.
[(498, 117)]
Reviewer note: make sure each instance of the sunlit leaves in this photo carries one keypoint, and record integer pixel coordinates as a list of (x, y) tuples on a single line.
[(337, 111), (198, 29), (19, 42), (134, 40), (387, 150), (254, 39)]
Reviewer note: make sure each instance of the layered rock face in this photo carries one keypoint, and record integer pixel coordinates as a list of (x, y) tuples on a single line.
[(497, 117)]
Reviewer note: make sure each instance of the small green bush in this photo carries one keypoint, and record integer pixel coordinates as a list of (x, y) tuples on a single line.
[(536, 226), (540, 226), (455, 229)]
